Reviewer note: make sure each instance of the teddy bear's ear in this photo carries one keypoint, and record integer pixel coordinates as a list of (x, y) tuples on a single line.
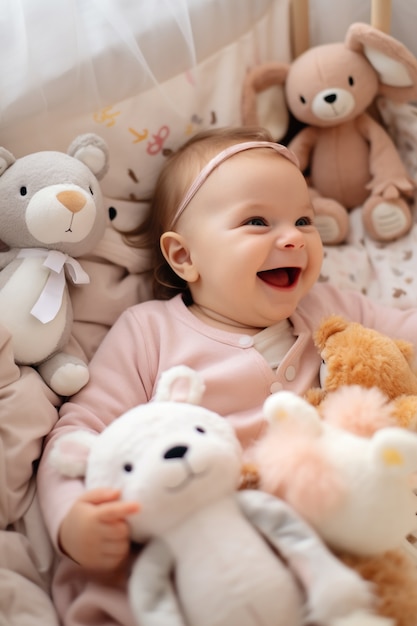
[(395, 65), (329, 326), (92, 150), (70, 453), (180, 384), (6, 160)]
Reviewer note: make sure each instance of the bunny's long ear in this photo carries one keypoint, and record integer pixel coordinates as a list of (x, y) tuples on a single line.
[(180, 384), (257, 106), (395, 65)]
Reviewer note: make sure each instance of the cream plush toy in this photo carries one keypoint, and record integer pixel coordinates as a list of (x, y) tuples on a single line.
[(355, 491), (182, 463), (349, 158), (51, 210), (353, 354)]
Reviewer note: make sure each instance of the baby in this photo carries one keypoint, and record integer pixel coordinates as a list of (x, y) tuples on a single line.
[(237, 257)]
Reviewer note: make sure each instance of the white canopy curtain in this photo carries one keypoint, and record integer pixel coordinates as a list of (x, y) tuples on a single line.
[(107, 50)]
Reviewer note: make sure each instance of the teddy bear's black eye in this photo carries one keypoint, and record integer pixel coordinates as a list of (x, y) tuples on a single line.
[(302, 100), (200, 429), (23, 191), (112, 213), (128, 467), (91, 191), (351, 81)]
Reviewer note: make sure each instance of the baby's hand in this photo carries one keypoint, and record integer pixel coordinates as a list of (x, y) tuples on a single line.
[(95, 532)]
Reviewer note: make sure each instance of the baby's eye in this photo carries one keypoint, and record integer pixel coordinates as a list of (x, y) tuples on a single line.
[(304, 221), (256, 221)]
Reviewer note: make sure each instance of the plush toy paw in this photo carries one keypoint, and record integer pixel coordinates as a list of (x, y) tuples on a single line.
[(386, 220), (249, 477), (363, 619), (331, 220), (64, 374), (69, 379), (332, 606)]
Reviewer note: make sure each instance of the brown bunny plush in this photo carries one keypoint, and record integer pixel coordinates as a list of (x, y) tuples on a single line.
[(349, 158)]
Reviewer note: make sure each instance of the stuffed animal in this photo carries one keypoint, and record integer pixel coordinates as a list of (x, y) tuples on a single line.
[(51, 210), (355, 355), (355, 491), (349, 158), (182, 463)]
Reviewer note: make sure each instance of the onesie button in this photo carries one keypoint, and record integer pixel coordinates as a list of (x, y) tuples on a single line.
[(276, 387), (290, 373), (245, 341)]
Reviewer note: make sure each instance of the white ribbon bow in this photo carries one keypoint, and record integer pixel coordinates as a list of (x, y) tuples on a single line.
[(49, 302)]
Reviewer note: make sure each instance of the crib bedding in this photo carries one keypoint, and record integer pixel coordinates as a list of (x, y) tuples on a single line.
[(108, 66)]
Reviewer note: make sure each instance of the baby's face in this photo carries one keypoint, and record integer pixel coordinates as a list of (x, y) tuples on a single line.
[(252, 240)]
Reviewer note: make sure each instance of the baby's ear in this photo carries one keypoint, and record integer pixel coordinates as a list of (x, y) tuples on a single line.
[(177, 255)]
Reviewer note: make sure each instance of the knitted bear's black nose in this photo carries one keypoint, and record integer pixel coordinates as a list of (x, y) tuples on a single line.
[(330, 98), (177, 452)]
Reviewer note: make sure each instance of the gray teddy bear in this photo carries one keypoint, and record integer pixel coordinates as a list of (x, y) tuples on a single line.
[(51, 211)]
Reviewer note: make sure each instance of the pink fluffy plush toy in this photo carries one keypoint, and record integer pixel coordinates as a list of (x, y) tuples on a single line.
[(349, 158), (355, 491)]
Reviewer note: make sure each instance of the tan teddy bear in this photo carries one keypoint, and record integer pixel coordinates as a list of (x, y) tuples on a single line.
[(355, 355)]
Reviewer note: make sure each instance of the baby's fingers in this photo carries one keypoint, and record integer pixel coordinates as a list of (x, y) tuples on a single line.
[(116, 511), (111, 508), (100, 495)]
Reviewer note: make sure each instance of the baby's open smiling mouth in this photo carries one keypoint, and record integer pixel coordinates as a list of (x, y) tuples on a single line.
[(280, 276)]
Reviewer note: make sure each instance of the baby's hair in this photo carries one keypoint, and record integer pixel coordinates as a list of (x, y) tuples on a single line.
[(176, 176)]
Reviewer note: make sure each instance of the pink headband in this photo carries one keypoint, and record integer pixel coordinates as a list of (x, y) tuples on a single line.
[(223, 156)]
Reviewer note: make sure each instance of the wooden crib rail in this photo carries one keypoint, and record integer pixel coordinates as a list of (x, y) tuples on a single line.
[(300, 26), (380, 17)]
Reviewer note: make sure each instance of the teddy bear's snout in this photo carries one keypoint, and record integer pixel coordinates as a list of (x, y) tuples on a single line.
[(330, 98), (74, 201), (176, 452)]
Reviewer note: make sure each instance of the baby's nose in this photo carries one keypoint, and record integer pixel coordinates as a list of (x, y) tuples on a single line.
[(176, 452), (290, 238)]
